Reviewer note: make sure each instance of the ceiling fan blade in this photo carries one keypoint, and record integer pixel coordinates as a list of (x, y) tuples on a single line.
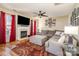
[(39, 14), (45, 15)]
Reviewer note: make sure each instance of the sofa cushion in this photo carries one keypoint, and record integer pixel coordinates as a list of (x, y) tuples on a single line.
[(57, 33), (62, 39)]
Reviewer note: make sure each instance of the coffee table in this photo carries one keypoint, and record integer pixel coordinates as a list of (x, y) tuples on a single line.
[(38, 39)]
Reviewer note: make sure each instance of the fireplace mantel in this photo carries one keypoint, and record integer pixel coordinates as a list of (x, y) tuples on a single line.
[(19, 29)]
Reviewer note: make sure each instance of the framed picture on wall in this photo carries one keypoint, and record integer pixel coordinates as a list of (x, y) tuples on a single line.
[(50, 22)]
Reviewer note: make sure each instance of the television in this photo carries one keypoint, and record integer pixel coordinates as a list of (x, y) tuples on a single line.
[(23, 20)]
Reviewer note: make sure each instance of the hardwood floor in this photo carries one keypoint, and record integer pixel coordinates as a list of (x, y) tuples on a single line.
[(22, 48), (5, 50)]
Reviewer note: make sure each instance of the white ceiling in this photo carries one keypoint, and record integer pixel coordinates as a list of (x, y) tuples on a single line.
[(49, 8)]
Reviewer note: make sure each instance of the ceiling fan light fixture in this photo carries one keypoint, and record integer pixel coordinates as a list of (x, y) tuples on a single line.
[(41, 14)]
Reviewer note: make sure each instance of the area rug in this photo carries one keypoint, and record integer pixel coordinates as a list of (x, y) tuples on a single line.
[(26, 48)]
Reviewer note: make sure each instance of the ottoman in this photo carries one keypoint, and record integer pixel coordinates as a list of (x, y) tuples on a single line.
[(38, 39)]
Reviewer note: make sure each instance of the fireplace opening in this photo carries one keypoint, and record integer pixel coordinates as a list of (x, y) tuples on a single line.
[(23, 34)]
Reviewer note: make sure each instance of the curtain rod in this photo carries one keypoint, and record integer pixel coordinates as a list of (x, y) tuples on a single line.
[(7, 13)]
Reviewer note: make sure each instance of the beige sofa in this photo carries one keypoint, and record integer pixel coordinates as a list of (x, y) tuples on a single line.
[(56, 43)]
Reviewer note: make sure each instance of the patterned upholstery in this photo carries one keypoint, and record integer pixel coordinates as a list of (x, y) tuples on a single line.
[(48, 33)]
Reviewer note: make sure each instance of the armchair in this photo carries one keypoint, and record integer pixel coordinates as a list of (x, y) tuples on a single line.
[(55, 47)]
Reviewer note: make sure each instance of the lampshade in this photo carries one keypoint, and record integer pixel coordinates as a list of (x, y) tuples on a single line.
[(74, 30)]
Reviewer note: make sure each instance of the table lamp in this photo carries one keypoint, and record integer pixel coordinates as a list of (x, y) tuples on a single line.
[(71, 31)]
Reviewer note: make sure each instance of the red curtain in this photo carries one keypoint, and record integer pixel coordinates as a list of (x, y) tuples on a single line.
[(2, 28), (31, 28), (34, 27), (13, 29)]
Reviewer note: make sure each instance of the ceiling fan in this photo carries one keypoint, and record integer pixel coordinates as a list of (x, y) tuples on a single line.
[(41, 14)]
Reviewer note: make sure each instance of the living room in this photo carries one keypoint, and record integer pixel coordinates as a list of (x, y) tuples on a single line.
[(39, 30)]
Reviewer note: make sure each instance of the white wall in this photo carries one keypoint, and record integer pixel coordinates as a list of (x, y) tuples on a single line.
[(40, 22), (61, 22)]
